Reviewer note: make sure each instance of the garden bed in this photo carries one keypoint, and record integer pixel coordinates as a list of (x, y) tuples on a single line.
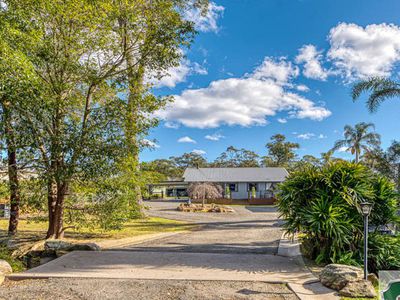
[(215, 208)]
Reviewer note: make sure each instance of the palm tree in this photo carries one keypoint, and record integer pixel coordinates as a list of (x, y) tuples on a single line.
[(358, 139), (380, 89)]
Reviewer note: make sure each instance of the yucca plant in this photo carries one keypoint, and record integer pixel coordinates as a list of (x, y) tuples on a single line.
[(322, 203)]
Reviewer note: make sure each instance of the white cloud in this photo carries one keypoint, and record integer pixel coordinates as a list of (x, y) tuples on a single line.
[(281, 71), (322, 136), (150, 144), (171, 125), (359, 52), (244, 101), (306, 136), (311, 58), (206, 22), (214, 137), (302, 88), (177, 74), (343, 149), (186, 139), (199, 151), (199, 69), (282, 120)]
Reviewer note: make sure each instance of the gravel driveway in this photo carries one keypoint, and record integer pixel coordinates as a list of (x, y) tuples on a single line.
[(74, 289), (250, 229), (252, 232)]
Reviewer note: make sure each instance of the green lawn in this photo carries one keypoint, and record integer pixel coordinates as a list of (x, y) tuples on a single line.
[(32, 230)]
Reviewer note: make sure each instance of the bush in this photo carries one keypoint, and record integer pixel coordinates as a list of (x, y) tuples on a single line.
[(16, 265), (323, 204), (383, 252)]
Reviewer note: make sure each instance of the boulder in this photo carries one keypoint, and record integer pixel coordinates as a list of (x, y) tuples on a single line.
[(358, 289), (60, 246), (5, 267), (337, 276)]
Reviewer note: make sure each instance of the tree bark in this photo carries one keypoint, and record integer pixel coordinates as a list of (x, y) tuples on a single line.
[(51, 204), (12, 172), (135, 76), (56, 210), (14, 191)]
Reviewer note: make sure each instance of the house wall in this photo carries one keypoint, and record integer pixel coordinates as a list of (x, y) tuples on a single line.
[(161, 191), (243, 193)]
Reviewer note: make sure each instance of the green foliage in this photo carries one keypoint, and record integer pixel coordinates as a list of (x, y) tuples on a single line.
[(385, 162), (253, 192), (383, 252), (280, 152), (189, 160), (323, 204), (385, 202), (16, 265), (227, 191), (237, 158), (72, 73)]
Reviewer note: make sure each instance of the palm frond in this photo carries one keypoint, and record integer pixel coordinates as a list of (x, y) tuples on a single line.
[(378, 96), (381, 89)]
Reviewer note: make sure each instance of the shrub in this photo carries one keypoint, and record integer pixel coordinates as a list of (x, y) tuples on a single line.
[(323, 204), (383, 252), (204, 190)]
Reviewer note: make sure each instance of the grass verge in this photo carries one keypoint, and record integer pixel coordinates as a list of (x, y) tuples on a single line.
[(33, 230)]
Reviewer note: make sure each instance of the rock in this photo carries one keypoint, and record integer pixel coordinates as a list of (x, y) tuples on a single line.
[(56, 245), (5, 267), (337, 276), (361, 288), (85, 247), (373, 279), (60, 246), (2, 277), (184, 207)]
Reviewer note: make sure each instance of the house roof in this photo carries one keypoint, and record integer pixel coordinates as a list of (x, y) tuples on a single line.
[(235, 174)]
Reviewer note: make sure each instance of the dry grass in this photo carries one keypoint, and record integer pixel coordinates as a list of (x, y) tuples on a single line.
[(31, 230)]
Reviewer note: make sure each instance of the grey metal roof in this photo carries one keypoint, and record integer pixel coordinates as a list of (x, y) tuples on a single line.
[(235, 174)]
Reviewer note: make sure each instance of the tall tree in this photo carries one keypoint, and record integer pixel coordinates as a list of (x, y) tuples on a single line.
[(280, 152), (152, 34), (189, 160), (380, 89), (358, 139), (166, 167), (17, 84), (237, 158), (386, 162), (85, 61)]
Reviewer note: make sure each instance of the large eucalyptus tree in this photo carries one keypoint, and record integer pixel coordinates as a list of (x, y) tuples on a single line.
[(86, 55)]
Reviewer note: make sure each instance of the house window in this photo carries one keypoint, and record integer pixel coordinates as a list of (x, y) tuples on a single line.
[(251, 185), (181, 192), (170, 192), (233, 187)]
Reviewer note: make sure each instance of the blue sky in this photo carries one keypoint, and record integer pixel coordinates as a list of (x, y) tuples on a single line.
[(258, 68)]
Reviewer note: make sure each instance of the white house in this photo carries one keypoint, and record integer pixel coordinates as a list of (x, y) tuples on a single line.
[(240, 181)]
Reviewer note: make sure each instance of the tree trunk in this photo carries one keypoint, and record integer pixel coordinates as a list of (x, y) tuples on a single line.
[(56, 211), (357, 156), (51, 204), (135, 77), (14, 191), (12, 172)]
